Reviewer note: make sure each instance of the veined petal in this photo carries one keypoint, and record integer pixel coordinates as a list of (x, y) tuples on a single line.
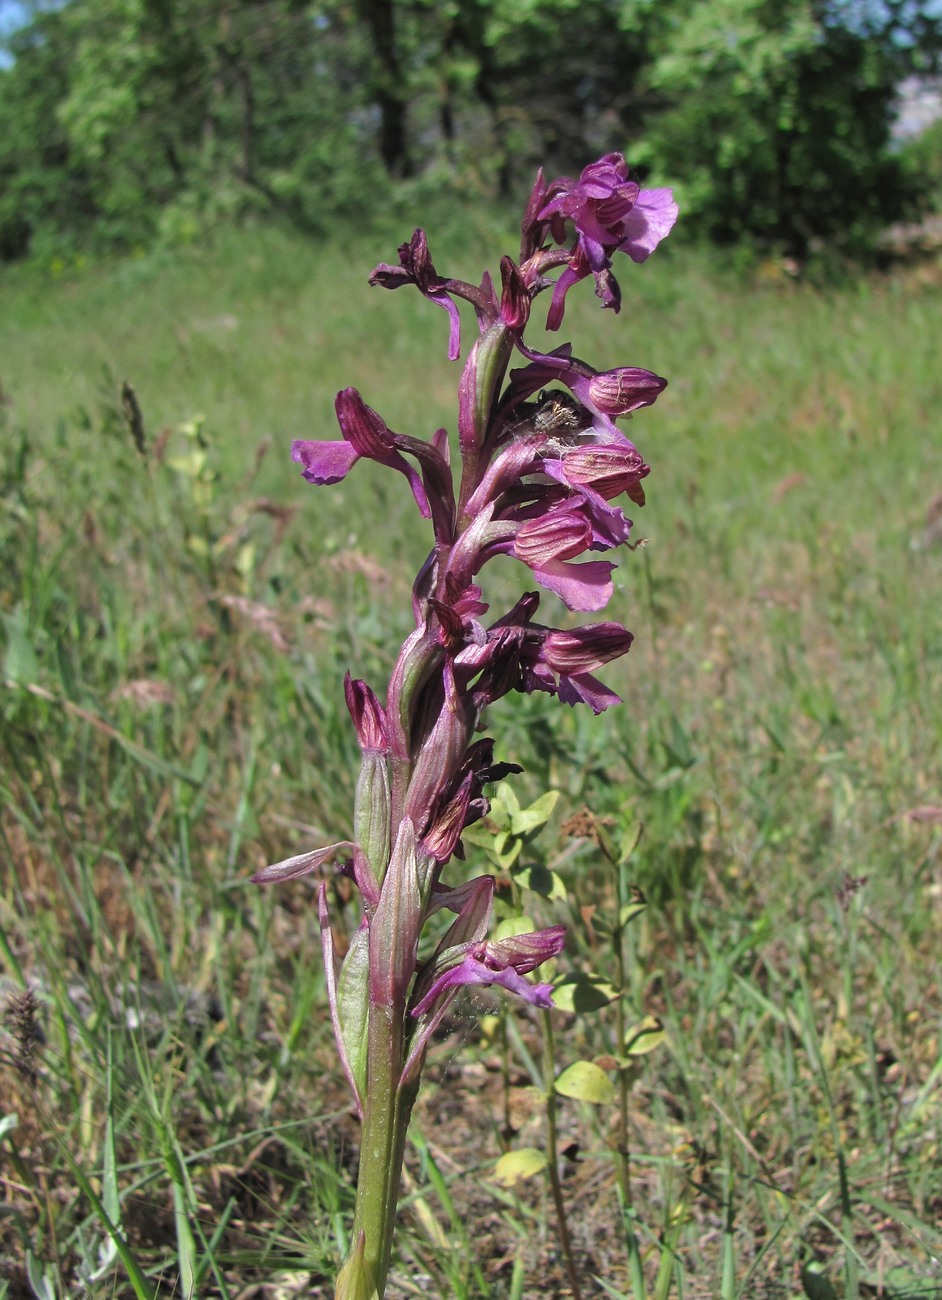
[(583, 688), (618, 392), (560, 535), (607, 470), (582, 649), (369, 716)]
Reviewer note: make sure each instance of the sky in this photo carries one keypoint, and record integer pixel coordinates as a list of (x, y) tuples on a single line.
[(11, 14)]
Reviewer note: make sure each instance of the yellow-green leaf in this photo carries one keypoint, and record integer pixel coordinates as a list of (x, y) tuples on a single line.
[(516, 1165), (538, 814), (584, 1081), (506, 850), (644, 1036), (512, 926)]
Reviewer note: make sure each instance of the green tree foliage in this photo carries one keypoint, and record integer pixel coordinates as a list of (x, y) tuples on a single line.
[(40, 190), (551, 82), (777, 116), (159, 114), (922, 161), (130, 120)]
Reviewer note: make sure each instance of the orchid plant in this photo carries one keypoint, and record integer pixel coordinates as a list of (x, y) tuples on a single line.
[(540, 460)]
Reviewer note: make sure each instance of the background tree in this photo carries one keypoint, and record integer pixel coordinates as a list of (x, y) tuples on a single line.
[(148, 116), (43, 191), (129, 120), (777, 115)]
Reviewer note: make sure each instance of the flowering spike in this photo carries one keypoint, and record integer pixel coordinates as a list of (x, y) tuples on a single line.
[(539, 467)]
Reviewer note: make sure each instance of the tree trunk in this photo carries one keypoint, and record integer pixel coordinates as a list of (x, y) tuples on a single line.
[(379, 18)]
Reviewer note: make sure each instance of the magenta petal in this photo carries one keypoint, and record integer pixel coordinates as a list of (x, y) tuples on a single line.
[(454, 333), (475, 972), (324, 462), (583, 688), (649, 221), (367, 432), (585, 587), (538, 995), (567, 279), (502, 961)]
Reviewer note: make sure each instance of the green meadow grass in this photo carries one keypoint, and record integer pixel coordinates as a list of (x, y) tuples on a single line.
[(175, 632)]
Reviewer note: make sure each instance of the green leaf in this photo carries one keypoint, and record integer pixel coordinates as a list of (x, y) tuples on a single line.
[(585, 1081), (527, 820), (583, 992), (40, 1279), (20, 662), (629, 911), (504, 807), (540, 880), (644, 1037), (512, 926), (629, 841), (499, 845), (66, 665), (815, 1285), (505, 850), (513, 1167), (478, 835), (186, 1242)]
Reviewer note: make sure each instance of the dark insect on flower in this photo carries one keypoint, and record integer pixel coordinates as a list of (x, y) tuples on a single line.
[(557, 416), (556, 412)]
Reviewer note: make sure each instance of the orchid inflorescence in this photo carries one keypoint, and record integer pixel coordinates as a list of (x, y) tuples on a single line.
[(539, 468)]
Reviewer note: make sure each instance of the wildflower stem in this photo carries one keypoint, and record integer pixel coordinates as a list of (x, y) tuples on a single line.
[(624, 1153), (549, 1073), (386, 1118)]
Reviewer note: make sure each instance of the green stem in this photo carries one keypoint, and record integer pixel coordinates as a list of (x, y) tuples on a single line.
[(386, 1120), (549, 1077), (618, 943)]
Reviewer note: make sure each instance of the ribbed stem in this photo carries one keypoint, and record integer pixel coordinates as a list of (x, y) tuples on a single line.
[(385, 1122)]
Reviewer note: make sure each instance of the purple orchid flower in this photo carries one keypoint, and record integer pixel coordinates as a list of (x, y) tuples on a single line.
[(365, 437), (539, 466), (503, 962), (611, 213)]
